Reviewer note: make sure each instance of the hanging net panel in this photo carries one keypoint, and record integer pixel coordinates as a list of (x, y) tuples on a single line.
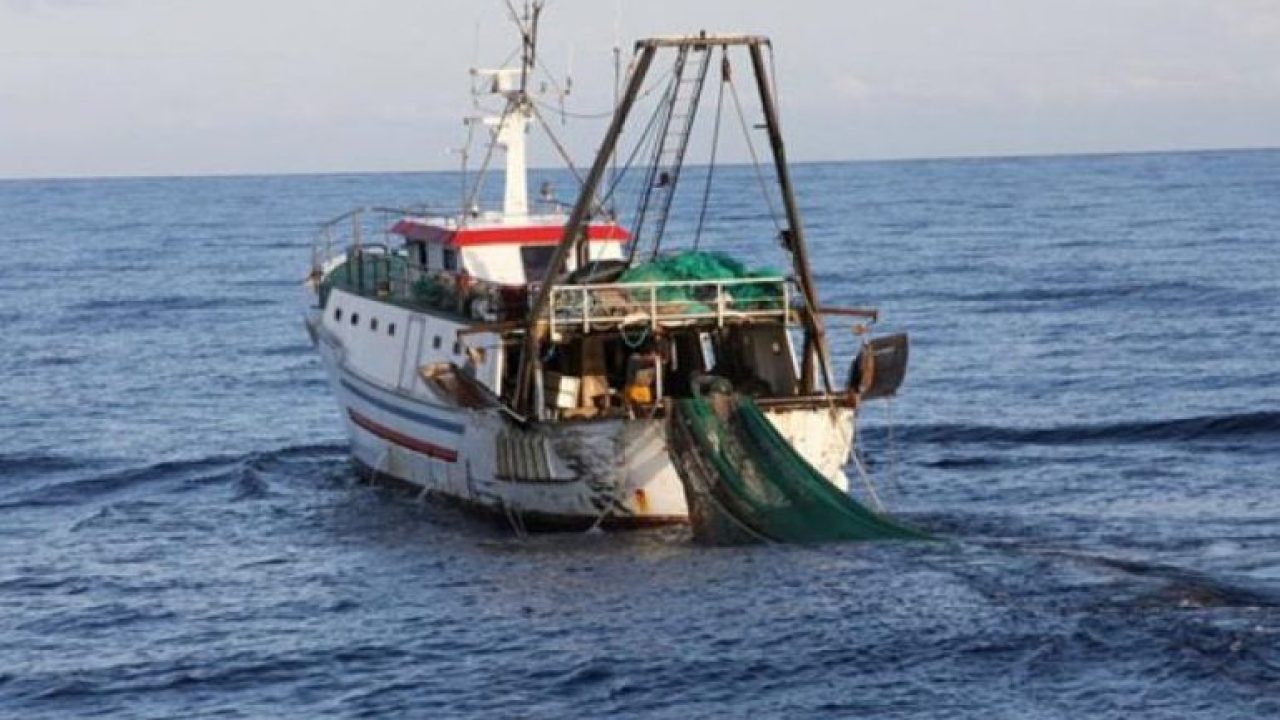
[(745, 483)]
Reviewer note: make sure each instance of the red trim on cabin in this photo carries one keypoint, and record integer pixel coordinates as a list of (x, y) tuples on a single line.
[(414, 444), (516, 235)]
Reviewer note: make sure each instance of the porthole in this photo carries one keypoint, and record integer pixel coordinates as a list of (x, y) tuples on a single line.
[(435, 343), (355, 318), (373, 323), (391, 328), (337, 313)]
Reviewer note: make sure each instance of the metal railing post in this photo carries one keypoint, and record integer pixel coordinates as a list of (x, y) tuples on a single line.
[(551, 313)]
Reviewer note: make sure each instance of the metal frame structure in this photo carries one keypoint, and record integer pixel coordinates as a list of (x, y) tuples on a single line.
[(816, 353)]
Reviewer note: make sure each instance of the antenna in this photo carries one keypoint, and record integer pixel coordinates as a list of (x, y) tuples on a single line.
[(475, 57), (464, 153), (617, 87), (567, 87)]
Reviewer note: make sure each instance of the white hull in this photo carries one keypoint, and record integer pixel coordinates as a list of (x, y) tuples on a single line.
[(612, 472)]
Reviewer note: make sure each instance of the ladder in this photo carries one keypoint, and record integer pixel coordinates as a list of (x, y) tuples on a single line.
[(668, 157)]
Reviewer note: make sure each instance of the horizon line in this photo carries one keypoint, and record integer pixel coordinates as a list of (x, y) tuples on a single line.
[(844, 161)]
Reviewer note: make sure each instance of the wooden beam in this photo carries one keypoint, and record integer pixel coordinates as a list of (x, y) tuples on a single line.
[(869, 313), (700, 40)]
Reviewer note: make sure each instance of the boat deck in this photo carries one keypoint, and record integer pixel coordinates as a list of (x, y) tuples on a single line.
[(391, 277), (589, 308)]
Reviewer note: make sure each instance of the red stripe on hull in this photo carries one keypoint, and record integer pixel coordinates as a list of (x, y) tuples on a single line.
[(514, 235), (535, 235), (404, 441)]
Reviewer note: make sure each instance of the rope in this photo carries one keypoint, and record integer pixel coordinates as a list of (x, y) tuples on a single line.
[(715, 144), (513, 518), (664, 109), (644, 137), (866, 479), (622, 333), (857, 458), (893, 450), (564, 154), (755, 158), (484, 166), (616, 181), (596, 115)]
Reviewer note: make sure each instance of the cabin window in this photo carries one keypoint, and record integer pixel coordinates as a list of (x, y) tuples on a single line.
[(373, 323), (435, 343), (391, 328), (450, 260), (337, 313), (355, 318), (457, 348), (536, 259)]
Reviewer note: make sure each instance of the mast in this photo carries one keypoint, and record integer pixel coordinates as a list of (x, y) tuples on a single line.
[(508, 130)]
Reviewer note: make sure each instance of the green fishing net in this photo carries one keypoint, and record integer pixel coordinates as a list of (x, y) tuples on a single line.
[(745, 483), (707, 266)]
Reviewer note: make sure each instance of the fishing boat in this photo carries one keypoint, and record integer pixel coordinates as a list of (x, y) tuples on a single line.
[(558, 369)]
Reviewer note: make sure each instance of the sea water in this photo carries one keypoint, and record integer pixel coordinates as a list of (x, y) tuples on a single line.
[(1091, 421)]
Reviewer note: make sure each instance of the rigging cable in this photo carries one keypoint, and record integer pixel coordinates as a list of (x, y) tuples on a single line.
[(640, 142), (484, 166), (893, 449), (666, 107), (564, 154), (685, 129), (755, 159), (715, 144), (657, 82), (620, 175)]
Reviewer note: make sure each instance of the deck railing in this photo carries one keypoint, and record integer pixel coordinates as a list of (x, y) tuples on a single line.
[(357, 228), (668, 302), (361, 239)]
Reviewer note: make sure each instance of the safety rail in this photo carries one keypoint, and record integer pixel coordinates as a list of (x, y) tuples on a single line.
[(356, 250), (355, 229), (374, 270), (668, 303)]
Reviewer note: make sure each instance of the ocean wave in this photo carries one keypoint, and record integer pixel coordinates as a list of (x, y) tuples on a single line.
[(244, 471), (164, 303), (23, 464), (1207, 427), (1091, 293)]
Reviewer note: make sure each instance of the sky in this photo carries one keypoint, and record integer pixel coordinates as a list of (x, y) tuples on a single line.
[(195, 87)]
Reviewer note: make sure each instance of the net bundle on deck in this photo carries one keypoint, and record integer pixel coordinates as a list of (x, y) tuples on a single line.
[(697, 266)]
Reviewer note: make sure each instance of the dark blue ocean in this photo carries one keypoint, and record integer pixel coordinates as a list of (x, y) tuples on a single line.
[(1091, 421)]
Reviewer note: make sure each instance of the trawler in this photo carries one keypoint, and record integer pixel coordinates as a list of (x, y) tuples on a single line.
[(548, 367)]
